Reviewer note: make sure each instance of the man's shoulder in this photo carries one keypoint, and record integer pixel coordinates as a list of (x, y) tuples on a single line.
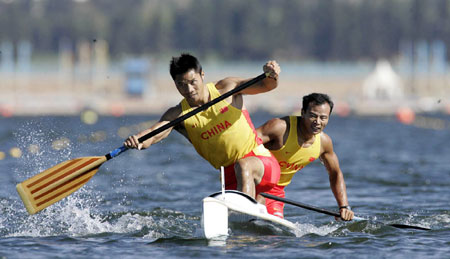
[(175, 108), (325, 139), (324, 135), (172, 113), (225, 85), (285, 120), (278, 126), (279, 121)]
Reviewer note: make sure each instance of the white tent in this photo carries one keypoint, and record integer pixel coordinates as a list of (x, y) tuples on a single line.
[(383, 83)]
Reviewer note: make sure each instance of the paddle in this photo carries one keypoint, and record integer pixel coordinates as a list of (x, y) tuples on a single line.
[(56, 183), (331, 213)]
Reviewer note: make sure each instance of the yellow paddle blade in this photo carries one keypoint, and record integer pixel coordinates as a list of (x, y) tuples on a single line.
[(58, 182)]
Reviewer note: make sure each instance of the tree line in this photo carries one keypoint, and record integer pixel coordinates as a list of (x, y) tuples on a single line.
[(326, 30)]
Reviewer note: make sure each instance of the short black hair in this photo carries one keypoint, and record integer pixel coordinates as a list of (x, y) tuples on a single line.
[(317, 99), (184, 63)]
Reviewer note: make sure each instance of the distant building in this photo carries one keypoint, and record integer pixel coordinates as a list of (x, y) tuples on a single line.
[(383, 83), (136, 73)]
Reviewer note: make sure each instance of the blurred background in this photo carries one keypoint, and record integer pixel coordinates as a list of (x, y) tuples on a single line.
[(78, 77), (63, 57)]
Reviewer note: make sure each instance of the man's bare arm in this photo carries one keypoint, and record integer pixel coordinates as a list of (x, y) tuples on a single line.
[(269, 83), (272, 133), (170, 115), (337, 183)]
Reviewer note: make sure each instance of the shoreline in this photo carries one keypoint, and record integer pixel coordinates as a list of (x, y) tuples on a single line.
[(61, 93)]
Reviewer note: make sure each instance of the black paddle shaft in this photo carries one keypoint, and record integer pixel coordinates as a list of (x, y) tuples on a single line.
[(299, 204), (331, 213), (202, 108), (205, 106)]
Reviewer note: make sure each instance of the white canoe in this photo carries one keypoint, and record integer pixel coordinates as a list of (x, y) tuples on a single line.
[(219, 210)]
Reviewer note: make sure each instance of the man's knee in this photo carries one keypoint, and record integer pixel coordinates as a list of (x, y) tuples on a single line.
[(250, 168), (242, 170)]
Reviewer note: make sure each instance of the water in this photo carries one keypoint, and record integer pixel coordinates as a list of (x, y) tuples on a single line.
[(148, 203)]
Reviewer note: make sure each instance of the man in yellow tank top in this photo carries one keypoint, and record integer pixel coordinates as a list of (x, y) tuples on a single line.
[(223, 134), (297, 141)]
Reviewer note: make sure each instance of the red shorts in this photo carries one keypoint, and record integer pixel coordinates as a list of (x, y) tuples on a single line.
[(276, 207), (268, 181)]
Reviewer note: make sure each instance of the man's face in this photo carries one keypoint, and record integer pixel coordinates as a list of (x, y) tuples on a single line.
[(316, 117), (190, 86)]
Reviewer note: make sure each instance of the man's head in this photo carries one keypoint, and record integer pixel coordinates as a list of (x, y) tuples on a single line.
[(316, 111), (188, 76), (184, 63), (316, 99)]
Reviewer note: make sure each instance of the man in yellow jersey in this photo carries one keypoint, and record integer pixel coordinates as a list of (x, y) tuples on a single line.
[(296, 141), (223, 134)]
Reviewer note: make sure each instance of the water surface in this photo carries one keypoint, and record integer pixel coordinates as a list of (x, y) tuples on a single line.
[(148, 203)]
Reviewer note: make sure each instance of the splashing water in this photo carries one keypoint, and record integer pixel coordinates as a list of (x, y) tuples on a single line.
[(304, 229), (38, 140), (74, 216)]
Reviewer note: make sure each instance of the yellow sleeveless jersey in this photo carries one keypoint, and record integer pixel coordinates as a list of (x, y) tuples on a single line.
[(292, 157), (222, 134)]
